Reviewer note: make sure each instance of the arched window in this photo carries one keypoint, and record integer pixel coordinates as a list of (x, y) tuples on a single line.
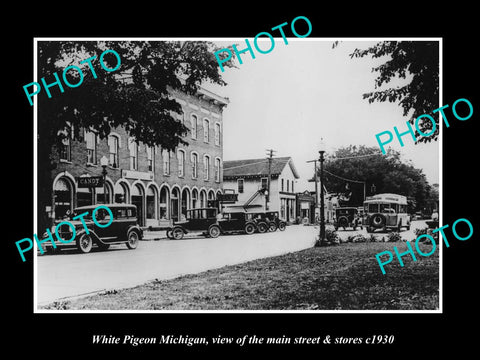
[(193, 126), (63, 195), (91, 140), (150, 158), (113, 146), (194, 198), (151, 203), (217, 169), (166, 162), (217, 134), (181, 162), (121, 193), (206, 167), (133, 147), (206, 130), (194, 158)]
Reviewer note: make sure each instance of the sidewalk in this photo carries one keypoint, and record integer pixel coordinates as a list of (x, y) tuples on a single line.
[(154, 235)]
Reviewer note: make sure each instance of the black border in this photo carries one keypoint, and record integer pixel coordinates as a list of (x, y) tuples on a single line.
[(67, 334)]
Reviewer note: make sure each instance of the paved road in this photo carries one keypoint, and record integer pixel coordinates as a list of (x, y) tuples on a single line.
[(71, 274)]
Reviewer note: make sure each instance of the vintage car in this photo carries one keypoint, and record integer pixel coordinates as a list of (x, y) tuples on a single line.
[(274, 221), (268, 221), (237, 222), (347, 217), (123, 228), (203, 220)]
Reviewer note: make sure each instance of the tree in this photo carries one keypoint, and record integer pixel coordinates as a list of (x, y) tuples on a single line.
[(418, 60), (135, 97), (349, 167)]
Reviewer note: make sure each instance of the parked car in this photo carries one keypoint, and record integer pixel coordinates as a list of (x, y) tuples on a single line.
[(269, 219), (347, 217), (237, 222), (203, 220), (124, 228), (274, 221)]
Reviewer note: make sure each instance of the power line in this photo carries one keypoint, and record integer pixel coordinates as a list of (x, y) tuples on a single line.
[(350, 180)]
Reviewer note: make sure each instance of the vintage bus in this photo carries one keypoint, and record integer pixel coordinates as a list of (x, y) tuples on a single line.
[(386, 212)]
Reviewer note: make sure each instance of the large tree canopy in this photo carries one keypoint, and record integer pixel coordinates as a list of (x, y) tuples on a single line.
[(135, 97), (349, 167), (418, 60)]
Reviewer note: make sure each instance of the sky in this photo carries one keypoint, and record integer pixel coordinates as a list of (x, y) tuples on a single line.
[(288, 99)]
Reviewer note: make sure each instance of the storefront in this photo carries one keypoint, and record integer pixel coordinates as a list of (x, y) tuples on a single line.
[(306, 207)]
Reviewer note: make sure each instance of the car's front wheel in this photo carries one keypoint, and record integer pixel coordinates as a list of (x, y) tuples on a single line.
[(262, 227), (282, 226), (272, 226), (249, 229), (214, 231), (132, 239), (177, 233), (85, 243)]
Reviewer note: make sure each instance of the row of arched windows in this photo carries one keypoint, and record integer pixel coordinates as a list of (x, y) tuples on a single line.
[(153, 202)]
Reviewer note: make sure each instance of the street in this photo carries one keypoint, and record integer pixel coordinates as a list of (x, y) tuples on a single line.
[(70, 273)]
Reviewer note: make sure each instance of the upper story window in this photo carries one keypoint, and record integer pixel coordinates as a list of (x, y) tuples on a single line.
[(166, 162), (181, 162), (264, 183), (113, 146), (66, 150), (194, 159), (282, 185), (240, 186), (288, 185), (206, 167), (133, 147), (193, 125), (206, 130), (217, 134), (91, 140), (150, 158), (217, 169)]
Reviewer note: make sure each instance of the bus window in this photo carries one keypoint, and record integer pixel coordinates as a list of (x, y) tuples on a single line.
[(372, 208), (384, 208)]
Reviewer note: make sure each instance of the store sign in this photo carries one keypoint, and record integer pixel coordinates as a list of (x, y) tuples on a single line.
[(90, 181), (227, 198), (304, 205), (139, 175)]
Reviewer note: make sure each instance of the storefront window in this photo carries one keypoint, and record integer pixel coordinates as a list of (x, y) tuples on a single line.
[(63, 198), (151, 203)]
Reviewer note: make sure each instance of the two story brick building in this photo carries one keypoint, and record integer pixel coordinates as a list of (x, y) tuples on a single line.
[(161, 184)]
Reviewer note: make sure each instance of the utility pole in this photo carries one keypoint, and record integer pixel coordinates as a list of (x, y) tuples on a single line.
[(270, 158), (316, 186)]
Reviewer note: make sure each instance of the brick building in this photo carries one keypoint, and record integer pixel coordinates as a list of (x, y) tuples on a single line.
[(161, 184)]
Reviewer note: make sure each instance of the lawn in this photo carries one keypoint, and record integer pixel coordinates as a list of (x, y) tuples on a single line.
[(339, 277)]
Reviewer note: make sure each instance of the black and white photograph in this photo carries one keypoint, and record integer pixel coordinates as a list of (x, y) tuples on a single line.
[(242, 189), (184, 181)]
